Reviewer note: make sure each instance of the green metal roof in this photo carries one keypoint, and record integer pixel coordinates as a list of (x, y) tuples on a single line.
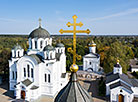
[(59, 45), (48, 47), (27, 82), (39, 33)]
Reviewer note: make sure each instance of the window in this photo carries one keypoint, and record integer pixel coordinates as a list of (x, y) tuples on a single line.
[(16, 74), (90, 63), (51, 55), (31, 44), (18, 54), (45, 78), (49, 78), (46, 42), (35, 44), (46, 64), (28, 69), (12, 74), (32, 73), (24, 72), (41, 44)]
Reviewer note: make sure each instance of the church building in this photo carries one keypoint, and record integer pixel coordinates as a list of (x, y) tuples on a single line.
[(41, 71), (91, 61), (119, 87)]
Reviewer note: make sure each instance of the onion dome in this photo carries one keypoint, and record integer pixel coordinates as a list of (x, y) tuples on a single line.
[(92, 44), (39, 32), (17, 47), (59, 45), (73, 92), (117, 64), (48, 48)]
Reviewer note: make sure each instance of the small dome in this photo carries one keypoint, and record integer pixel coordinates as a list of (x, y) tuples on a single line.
[(48, 47), (59, 45), (92, 44), (17, 47), (73, 92), (39, 33), (117, 65)]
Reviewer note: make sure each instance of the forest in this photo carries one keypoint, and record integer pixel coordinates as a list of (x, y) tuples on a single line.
[(110, 48)]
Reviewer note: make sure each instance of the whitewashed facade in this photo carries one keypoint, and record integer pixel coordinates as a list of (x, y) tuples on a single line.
[(41, 71), (91, 61), (120, 88)]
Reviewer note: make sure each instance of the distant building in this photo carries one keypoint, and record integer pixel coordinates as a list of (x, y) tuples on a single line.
[(42, 71), (91, 61), (133, 65), (119, 87)]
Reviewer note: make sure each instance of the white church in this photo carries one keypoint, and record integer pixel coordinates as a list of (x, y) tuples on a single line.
[(91, 61), (41, 71), (119, 87)]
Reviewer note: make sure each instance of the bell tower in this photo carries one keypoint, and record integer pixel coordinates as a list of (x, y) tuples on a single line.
[(92, 47), (117, 68)]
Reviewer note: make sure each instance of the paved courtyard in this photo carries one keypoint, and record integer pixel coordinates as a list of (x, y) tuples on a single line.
[(90, 86)]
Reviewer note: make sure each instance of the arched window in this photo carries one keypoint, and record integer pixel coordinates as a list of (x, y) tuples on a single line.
[(51, 55), (12, 74), (45, 77), (46, 43), (35, 44), (16, 74), (41, 44), (28, 70), (49, 78), (32, 73), (90, 63), (24, 72), (18, 53), (31, 44)]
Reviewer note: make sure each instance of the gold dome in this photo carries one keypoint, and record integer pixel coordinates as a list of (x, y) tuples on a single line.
[(118, 60), (92, 44), (74, 68)]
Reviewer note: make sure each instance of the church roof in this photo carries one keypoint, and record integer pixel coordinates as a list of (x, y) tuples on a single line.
[(119, 83), (73, 92), (134, 82), (34, 87), (92, 55), (59, 45), (112, 77), (39, 33), (48, 47), (27, 82), (37, 57)]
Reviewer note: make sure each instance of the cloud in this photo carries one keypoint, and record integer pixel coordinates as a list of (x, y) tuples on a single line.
[(127, 12)]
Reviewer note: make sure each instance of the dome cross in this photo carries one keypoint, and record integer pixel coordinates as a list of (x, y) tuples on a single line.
[(40, 22), (74, 31)]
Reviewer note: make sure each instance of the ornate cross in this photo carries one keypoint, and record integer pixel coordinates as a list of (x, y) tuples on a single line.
[(74, 31), (40, 22)]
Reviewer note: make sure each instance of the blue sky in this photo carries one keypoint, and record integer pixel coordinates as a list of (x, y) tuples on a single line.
[(100, 16)]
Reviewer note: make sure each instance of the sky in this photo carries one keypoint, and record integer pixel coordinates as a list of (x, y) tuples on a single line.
[(100, 16)]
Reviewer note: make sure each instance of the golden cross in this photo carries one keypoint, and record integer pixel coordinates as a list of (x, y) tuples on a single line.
[(74, 31), (40, 22)]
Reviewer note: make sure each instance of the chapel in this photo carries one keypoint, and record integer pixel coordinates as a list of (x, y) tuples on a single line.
[(119, 87)]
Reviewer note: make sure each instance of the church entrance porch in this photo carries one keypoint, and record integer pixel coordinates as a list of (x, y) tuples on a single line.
[(120, 98), (22, 94)]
